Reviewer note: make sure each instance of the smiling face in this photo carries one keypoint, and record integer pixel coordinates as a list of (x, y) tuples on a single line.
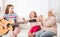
[(50, 13), (33, 14), (11, 9)]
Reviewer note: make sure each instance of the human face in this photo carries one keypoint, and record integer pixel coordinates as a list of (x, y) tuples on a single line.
[(32, 14), (11, 9), (50, 14)]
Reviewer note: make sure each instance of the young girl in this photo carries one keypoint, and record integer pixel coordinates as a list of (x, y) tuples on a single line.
[(35, 26), (9, 14)]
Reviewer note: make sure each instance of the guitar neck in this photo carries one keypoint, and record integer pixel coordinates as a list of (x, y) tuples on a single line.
[(18, 23), (23, 22)]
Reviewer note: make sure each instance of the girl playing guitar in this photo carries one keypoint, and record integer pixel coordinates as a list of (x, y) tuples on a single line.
[(9, 14)]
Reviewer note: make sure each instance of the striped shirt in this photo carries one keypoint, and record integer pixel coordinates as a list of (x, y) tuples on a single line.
[(10, 16)]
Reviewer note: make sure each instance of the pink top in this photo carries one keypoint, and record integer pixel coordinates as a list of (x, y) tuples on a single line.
[(50, 24)]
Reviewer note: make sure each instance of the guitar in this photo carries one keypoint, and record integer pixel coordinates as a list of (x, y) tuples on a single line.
[(9, 25)]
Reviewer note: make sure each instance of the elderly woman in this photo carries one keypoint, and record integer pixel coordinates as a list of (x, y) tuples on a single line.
[(49, 28)]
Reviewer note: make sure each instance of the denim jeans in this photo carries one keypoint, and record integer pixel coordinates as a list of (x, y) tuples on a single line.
[(43, 33)]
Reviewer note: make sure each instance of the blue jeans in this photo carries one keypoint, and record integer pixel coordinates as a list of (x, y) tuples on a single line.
[(43, 33)]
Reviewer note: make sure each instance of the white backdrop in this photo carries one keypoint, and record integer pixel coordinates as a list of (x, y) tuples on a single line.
[(23, 7)]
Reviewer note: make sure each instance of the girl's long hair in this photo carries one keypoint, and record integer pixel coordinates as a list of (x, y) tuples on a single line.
[(7, 8)]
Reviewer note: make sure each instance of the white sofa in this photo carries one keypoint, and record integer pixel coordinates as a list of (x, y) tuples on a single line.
[(25, 29)]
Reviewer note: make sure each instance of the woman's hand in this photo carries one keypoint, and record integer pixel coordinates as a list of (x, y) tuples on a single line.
[(25, 21)]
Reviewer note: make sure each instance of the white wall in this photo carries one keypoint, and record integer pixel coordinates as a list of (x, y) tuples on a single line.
[(58, 10), (23, 7), (1, 6)]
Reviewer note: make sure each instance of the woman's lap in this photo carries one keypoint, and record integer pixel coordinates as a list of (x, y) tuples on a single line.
[(35, 29), (44, 34)]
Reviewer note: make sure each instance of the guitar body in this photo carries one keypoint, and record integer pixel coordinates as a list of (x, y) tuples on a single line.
[(9, 25), (5, 30)]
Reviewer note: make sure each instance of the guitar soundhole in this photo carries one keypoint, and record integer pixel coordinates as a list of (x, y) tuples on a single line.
[(8, 24), (8, 30), (3, 28)]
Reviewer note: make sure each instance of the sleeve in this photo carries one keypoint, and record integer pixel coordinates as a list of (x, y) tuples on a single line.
[(16, 20), (4, 16), (15, 15)]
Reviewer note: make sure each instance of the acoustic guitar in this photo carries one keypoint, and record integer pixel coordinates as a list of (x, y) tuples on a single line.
[(9, 25)]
